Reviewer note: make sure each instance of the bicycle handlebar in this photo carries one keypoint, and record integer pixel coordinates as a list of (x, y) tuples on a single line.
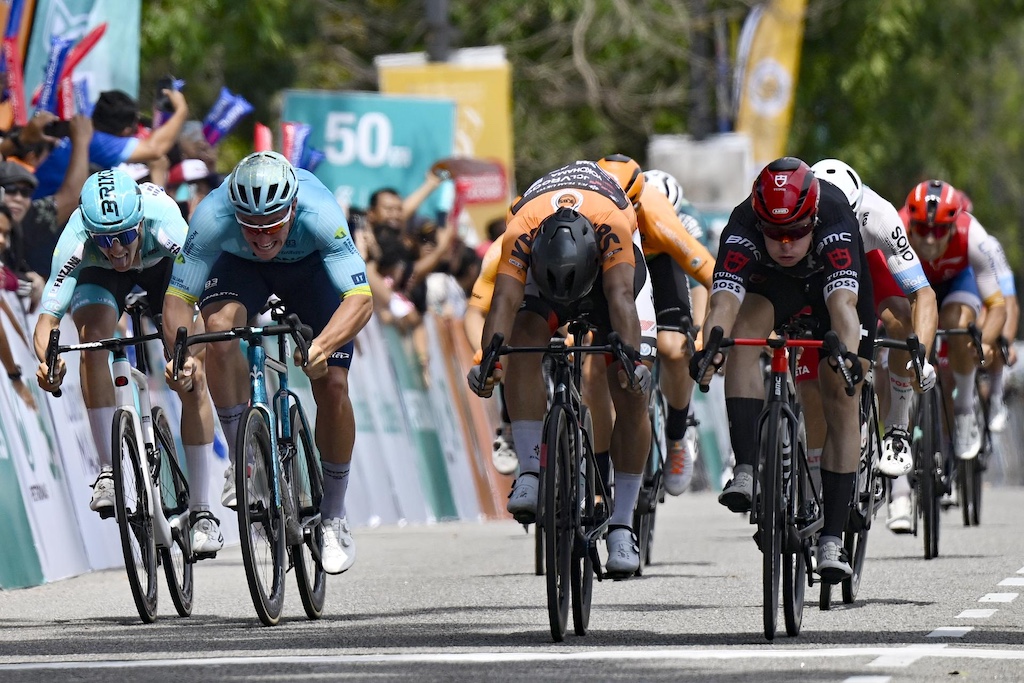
[(973, 332), (615, 346), (301, 334), (54, 349)]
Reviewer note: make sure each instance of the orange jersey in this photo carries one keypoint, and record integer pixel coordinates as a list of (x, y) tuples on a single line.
[(483, 288), (661, 232), (583, 186)]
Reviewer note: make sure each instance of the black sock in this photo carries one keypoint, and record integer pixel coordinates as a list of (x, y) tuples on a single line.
[(837, 493), (604, 468), (743, 414), (675, 423)]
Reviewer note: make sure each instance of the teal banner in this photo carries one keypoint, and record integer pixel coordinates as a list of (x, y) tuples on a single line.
[(373, 141), (19, 562), (113, 64)]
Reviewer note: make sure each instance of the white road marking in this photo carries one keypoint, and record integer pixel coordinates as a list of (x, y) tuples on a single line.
[(1021, 570), (950, 632), (976, 613), (1012, 581), (998, 597), (868, 679), (906, 656)]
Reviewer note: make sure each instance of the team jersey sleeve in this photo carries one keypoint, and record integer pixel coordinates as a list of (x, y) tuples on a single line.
[(738, 254), (200, 251), (882, 228), (68, 257), (840, 248), (984, 253), (168, 225), (664, 233), (345, 267), (483, 288)]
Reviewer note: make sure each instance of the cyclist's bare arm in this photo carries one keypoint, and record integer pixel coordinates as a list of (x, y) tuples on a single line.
[(618, 290), (351, 316), (924, 316), (842, 308), (508, 296)]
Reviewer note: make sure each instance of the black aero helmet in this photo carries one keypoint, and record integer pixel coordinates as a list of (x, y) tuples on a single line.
[(564, 258)]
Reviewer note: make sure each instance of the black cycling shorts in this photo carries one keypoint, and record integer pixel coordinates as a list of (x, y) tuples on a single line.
[(110, 287)]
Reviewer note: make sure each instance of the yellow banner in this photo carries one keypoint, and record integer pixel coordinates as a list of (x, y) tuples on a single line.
[(483, 97), (770, 69)]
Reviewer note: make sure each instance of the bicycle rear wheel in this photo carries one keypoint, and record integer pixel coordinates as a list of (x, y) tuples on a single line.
[(855, 536), (556, 451), (582, 560), (927, 456), (770, 518), (131, 505), (260, 522), (651, 489), (538, 539), (308, 488), (177, 560)]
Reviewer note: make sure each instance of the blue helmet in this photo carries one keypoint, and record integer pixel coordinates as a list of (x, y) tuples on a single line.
[(262, 183), (110, 202)]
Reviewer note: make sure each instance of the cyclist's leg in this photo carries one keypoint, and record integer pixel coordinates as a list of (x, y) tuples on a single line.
[(895, 314), (960, 308), (814, 418)]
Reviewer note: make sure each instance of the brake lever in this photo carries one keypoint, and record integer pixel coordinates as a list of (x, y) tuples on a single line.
[(52, 353), (711, 349), (836, 351)]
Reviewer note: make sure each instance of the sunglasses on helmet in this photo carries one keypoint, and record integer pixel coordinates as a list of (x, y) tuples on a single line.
[(269, 229), (936, 230), (124, 238), (788, 232)]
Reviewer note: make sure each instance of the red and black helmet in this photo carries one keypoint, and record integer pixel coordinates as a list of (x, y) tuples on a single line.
[(934, 202), (785, 192)]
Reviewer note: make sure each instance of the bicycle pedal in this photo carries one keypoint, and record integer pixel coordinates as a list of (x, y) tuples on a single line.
[(106, 513), (525, 518), (197, 557)]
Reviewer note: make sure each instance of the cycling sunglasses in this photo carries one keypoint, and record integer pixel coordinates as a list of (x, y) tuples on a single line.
[(271, 229), (788, 232), (936, 230), (124, 238)]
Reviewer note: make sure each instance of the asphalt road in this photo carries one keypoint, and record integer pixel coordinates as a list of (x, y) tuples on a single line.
[(460, 601)]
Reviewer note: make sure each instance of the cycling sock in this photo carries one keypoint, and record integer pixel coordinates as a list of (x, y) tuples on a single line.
[(526, 434), (902, 391), (198, 458), (604, 469), (995, 386), (230, 419), (335, 488), (837, 492), (900, 487), (675, 423), (963, 395), (814, 467), (100, 420), (743, 414), (627, 490)]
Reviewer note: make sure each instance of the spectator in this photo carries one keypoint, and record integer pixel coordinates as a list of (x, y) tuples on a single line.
[(192, 144), (38, 222), (189, 182), (495, 229), (385, 212), (10, 282), (116, 120)]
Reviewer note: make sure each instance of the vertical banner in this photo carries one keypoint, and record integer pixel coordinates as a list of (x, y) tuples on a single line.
[(767, 66), (13, 108), (112, 65), (372, 142), (480, 82)]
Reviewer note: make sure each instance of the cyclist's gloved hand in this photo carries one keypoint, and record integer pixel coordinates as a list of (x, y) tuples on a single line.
[(316, 367), (712, 368), (641, 379), (43, 370), (184, 381), (483, 386), (927, 376)]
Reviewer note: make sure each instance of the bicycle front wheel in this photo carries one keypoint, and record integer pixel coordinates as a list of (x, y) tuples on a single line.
[(177, 560), (969, 488), (770, 518), (131, 501), (927, 456), (582, 560), (867, 494), (799, 500), (260, 522), (556, 451), (308, 488)]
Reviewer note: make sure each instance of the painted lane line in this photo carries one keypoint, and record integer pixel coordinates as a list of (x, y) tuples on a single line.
[(976, 613), (1021, 570), (998, 597), (902, 657), (1012, 581), (950, 632), (868, 679)]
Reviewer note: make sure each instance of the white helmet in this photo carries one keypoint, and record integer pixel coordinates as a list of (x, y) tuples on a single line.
[(666, 184), (842, 176)]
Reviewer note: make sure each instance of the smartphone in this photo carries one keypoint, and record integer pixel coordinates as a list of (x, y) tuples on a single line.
[(162, 101), (58, 129)]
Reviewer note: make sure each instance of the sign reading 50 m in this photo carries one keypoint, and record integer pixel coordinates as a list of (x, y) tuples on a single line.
[(364, 139)]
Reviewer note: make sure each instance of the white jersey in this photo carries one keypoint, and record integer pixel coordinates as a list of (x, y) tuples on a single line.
[(882, 228)]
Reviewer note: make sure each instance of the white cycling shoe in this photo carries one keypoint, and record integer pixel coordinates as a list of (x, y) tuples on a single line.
[(102, 500), (899, 520), (623, 553), (339, 550), (896, 459), (522, 502), (206, 536), (832, 564), (966, 436)]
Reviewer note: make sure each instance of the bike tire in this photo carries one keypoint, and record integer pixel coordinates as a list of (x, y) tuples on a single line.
[(174, 499), (135, 524), (260, 522), (538, 541), (308, 488), (558, 530), (855, 536), (582, 579), (770, 519), (794, 559), (651, 488), (928, 475)]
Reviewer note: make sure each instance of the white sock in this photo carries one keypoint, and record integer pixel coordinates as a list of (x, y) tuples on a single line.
[(335, 489), (198, 458), (995, 386), (901, 391), (627, 490), (963, 394), (527, 434), (230, 419), (101, 422), (900, 487)]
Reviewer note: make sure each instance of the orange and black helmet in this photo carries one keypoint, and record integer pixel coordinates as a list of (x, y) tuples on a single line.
[(627, 172)]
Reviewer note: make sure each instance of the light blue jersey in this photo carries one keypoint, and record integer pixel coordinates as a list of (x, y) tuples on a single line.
[(319, 226), (163, 234)]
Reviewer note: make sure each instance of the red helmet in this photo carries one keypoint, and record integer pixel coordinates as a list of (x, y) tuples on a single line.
[(934, 202), (786, 192)]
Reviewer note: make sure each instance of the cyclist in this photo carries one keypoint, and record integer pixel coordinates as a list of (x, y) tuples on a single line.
[(271, 228), (904, 302), (569, 248), (671, 253), (794, 243), (124, 235), (963, 264)]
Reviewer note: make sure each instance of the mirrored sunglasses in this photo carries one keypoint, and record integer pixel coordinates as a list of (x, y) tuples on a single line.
[(124, 238)]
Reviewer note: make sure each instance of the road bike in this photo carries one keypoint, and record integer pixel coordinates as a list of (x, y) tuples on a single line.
[(568, 514), (278, 481), (151, 496), (786, 507)]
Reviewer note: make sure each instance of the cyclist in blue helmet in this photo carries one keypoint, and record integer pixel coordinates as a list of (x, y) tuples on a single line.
[(272, 228), (123, 235)]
